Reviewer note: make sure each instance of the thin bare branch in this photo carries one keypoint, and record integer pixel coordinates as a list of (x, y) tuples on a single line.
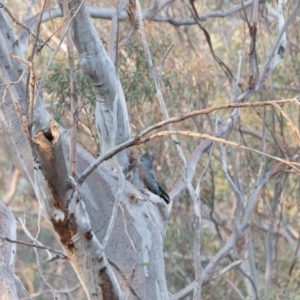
[(108, 14), (31, 83), (163, 60), (74, 96), (36, 242), (41, 83), (295, 131), (238, 76), (294, 165), (112, 47), (293, 263), (192, 192), (35, 48), (231, 241), (50, 257), (28, 8), (184, 292), (224, 67), (225, 270), (132, 290), (234, 287), (13, 82), (252, 24), (138, 140), (23, 25), (56, 30), (121, 180), (240, 201), (269, 244), (58, 253), (62, 291)]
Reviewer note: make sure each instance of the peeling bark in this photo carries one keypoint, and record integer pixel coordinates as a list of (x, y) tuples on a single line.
[(61, 205)]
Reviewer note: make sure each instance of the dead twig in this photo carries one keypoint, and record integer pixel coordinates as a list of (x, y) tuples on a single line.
[(294, 165)]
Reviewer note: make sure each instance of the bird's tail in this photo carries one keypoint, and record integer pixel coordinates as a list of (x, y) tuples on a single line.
[(164, 195)]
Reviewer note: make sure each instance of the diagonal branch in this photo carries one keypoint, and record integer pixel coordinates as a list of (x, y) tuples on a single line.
[(138, 139)]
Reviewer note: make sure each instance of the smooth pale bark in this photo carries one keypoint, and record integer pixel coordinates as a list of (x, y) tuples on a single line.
[(111, 110), (136, 243), (8, 228)]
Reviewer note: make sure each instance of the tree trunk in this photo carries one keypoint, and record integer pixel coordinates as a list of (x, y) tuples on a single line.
[(79, 215)]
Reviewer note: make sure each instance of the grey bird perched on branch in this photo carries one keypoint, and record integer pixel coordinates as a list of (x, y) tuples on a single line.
[(148, 177)]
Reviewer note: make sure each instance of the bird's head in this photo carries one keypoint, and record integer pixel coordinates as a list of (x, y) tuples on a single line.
[(147, 159)]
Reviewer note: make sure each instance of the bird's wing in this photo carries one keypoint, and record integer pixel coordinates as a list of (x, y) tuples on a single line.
[(164, 194), (151, 182)]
